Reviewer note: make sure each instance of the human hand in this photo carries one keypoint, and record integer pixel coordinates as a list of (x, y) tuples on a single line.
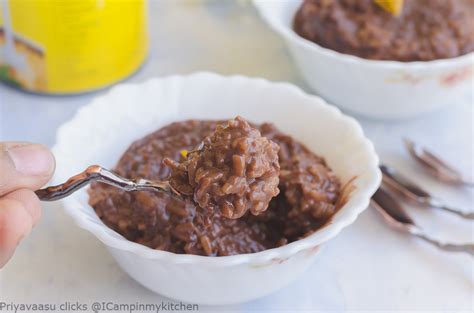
[(24, 167)]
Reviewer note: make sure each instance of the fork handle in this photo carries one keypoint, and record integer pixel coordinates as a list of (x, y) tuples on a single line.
[(100, 174)]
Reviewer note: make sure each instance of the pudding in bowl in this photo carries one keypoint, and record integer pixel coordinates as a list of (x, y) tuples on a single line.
[(310, 192), (424, 30), (367, 78), (123, 118)]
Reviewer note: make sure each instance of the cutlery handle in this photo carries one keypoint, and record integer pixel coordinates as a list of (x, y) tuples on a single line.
[(467, 215), (76, 182), (467, 248), (439, 205), (100, 174)]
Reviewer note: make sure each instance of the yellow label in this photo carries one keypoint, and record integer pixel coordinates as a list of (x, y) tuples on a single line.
[(67, 46), (391, 6)]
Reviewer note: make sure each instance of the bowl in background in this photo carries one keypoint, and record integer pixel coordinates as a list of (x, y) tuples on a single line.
[(378, 89), (101, 131)]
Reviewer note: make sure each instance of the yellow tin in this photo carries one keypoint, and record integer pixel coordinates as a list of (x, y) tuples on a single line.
[(71, 46)]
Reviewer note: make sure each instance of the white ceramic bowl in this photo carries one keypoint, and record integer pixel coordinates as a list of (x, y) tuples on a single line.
[(102, 130), (380, 89)]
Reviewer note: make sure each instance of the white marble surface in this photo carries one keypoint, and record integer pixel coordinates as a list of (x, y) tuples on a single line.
[(368, 267)]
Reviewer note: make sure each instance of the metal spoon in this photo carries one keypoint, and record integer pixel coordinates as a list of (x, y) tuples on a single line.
[(411, 191), (437, 167), (395, 216), (100, 174)]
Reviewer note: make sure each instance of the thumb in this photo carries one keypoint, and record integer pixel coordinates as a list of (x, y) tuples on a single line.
[(24, 165)]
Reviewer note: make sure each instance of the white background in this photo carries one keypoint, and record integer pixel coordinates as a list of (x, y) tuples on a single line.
[(368, 267)]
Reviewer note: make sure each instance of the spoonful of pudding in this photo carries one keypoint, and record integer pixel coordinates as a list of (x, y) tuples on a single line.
[(233, 171)]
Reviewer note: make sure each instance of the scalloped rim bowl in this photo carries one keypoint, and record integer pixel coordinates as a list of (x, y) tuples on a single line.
[(101, 131), (374, 88)]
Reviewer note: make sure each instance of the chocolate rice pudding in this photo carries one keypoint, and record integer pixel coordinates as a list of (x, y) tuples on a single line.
[(425, 30), (309, 195), (235, 170)]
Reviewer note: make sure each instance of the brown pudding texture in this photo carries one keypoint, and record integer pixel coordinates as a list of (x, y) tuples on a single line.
[(234, 171), (309, 193), (425, 30)]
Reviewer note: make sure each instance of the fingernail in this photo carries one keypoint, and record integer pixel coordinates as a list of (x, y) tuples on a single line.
[(32, 159)]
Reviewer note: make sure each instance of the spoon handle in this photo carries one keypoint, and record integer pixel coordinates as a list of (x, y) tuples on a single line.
[(100, 174), (440, 205), (467, 248), (467, 215), (394, 215)]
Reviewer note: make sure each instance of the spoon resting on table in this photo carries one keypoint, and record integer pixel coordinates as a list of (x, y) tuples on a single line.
[(435, 165), (395, 216), (413, 192)]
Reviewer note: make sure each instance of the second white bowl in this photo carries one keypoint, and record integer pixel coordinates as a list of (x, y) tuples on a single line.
[(380, 89)]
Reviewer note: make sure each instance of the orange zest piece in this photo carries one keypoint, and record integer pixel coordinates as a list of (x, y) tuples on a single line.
[(391, 6)]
